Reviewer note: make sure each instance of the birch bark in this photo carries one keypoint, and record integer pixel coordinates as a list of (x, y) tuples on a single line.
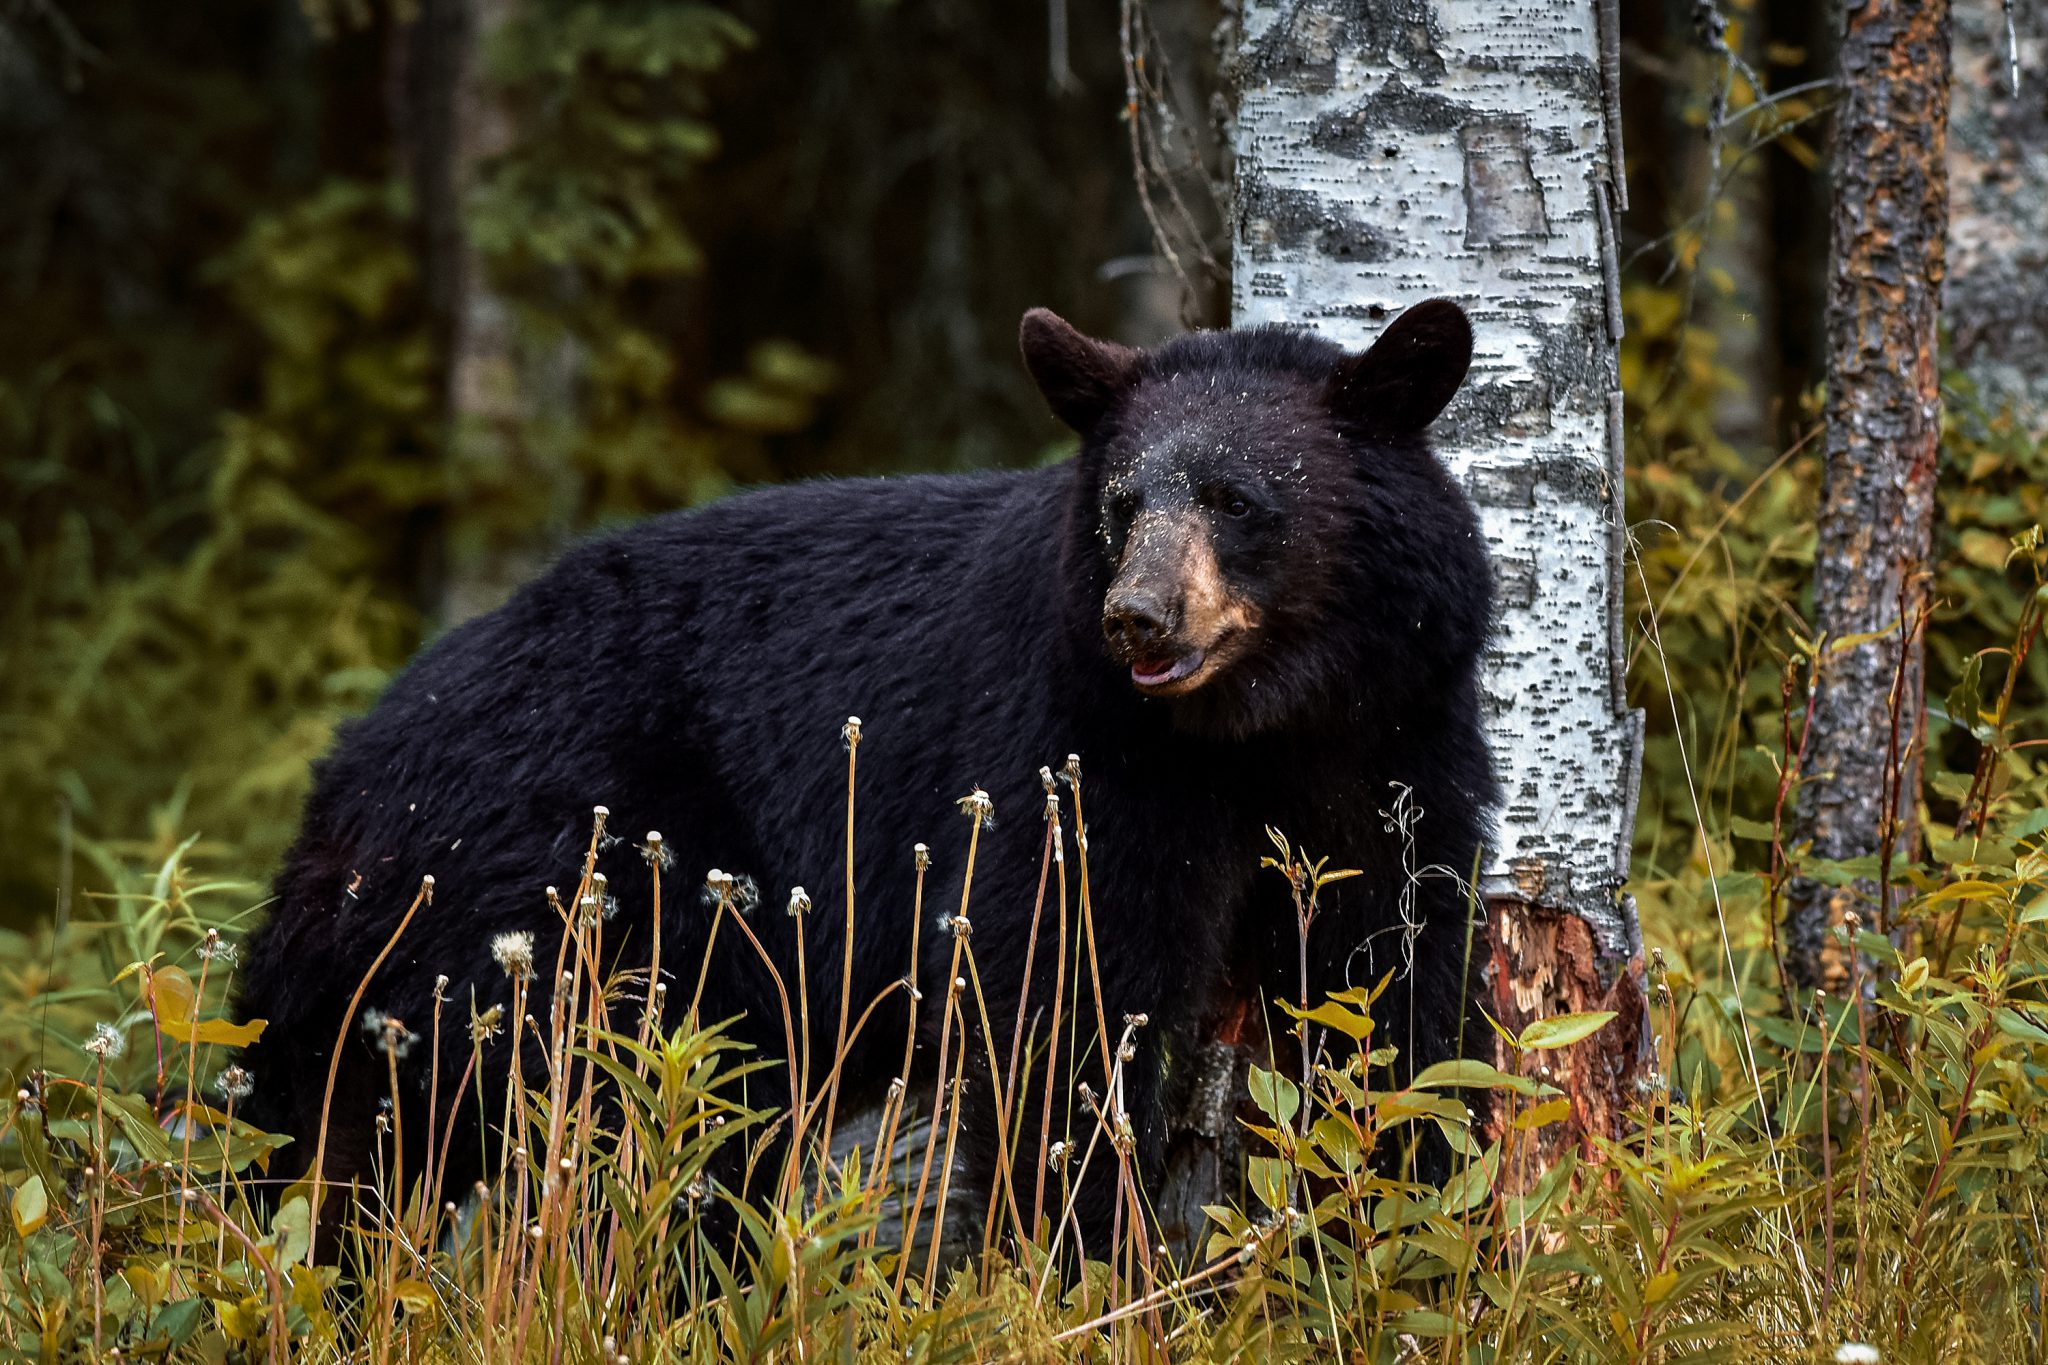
[(1389, 151)]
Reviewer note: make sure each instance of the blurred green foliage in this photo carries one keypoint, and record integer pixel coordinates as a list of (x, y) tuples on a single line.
[(235, 485), (184, 624)]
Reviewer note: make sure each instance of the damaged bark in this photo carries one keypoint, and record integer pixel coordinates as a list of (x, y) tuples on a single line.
[(1861, 779)]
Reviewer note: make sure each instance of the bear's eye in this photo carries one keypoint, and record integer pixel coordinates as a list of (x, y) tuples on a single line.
[(1123, 507), (1236, 507)]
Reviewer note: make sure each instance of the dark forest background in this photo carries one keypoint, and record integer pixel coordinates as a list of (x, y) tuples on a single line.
[(327, 322)]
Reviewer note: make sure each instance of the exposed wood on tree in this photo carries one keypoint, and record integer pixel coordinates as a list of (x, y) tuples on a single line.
[(1885, 265), (1995, 303), (1391, 150)]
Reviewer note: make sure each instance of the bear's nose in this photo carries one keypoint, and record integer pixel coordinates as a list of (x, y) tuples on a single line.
[(1135, 620)]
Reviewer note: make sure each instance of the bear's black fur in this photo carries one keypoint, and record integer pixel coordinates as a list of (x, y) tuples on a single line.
[(1254, 599)]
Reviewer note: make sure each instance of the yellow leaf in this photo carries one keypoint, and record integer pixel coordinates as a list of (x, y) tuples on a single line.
[(414, 1296), (31, 1206), (1550, 1111), (1659, 1285), (172, 1000)]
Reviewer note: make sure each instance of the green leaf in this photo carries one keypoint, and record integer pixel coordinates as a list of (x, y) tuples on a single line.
[(291, 1231), (1464, 1071), (1270, 1180), (1278, 1098), (31, 1206), (1965, 702), (1562, 1030)]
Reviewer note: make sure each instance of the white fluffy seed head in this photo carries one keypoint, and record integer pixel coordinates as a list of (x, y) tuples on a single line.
[(513, 952), (107, 1042)]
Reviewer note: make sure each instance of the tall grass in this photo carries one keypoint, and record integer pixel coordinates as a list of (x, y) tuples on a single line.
[(1872, 1179)]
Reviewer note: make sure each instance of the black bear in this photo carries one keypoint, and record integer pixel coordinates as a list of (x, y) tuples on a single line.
[(1254, 598)]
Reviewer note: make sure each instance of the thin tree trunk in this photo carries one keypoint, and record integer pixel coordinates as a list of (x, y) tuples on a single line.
[(1390, 152), (1996, 300), (491, 538), (1885, 261)]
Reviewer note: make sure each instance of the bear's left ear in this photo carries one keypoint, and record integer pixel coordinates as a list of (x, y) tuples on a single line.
[(1081, 378), (1399, 386)]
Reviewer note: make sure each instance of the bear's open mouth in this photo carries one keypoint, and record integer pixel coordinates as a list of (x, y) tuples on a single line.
[(1163, 670)]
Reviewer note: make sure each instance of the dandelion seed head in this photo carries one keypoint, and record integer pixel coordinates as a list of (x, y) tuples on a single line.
[(799, 901), (977, 806), (216, 949), (922, 856), (107, 1042), (388, 1033), (849, 733), (655, 850), (513, 952), (235, 1083)]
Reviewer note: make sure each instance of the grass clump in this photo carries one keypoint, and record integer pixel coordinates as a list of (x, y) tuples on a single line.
[(1859, 1170)]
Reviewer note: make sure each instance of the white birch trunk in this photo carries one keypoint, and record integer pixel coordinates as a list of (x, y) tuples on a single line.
[(1389, 151)]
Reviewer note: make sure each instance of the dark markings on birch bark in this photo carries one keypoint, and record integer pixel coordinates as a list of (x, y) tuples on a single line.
[(1885, 267)]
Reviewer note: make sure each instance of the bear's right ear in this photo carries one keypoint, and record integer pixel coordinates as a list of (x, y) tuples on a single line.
[(1081, 378)]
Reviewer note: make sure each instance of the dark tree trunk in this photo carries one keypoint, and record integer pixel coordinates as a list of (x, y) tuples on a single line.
[(1885, 266)]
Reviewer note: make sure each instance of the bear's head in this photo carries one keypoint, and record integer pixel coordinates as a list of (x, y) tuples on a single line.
[(1260, 520)]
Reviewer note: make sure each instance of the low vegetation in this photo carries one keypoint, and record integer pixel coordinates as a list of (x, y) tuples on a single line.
[(1858, 1176)]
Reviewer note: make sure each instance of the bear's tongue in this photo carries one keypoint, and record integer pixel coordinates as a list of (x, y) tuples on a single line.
[(1154, 669)]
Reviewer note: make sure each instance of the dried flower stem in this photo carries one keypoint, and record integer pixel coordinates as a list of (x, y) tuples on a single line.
[(852, 734), (348, 1019)]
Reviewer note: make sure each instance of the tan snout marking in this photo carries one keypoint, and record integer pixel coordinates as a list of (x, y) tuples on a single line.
[(1209, 609), (1176, 547)]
